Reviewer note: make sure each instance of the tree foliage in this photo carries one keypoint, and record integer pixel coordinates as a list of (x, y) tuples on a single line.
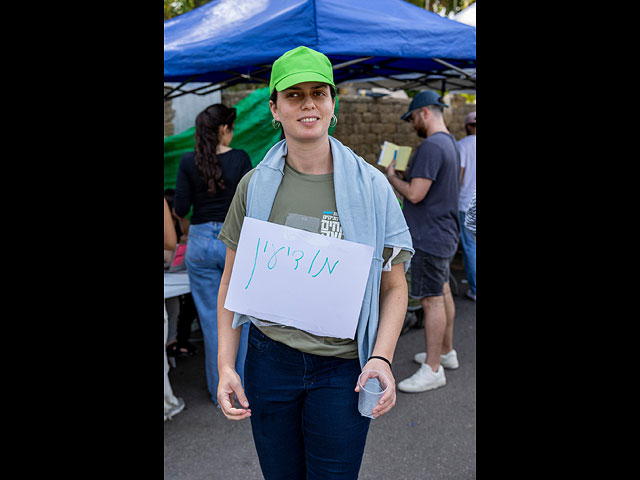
[(173, 8), (442, 7)]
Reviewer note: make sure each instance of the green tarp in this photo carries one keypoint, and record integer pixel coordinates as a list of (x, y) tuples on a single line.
[(252, 133)]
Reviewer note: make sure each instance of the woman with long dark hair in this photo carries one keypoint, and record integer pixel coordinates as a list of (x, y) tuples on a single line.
[(207, 180)]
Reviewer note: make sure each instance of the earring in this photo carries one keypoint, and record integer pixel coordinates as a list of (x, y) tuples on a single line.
[(275, 124), (334, 121)]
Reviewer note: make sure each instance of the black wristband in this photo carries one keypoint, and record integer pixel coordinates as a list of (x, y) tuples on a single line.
[(381, 358)]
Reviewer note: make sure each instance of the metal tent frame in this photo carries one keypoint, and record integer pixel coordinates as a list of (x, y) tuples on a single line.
[(380, 72)]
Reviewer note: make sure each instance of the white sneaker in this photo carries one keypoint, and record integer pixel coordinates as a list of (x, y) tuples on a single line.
[(449, 360), (424, 379), (470, 295), (176, 409)]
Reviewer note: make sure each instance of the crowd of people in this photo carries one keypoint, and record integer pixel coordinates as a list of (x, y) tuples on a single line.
[(292, 384)]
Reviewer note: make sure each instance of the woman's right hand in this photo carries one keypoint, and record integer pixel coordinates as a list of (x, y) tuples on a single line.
[(229, 386)]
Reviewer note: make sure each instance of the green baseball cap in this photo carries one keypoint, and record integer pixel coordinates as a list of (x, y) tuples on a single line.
[(301, 64)]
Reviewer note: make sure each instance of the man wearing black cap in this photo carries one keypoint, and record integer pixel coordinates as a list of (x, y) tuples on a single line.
[(431, 211)]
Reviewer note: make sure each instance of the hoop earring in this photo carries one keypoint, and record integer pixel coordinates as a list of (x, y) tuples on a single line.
[(334, 121), (275, 124)]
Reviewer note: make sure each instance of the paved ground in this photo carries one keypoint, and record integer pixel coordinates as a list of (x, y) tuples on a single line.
[(427, 436)]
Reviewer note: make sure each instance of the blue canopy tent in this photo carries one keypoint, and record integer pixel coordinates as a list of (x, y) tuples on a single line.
[(226, 42)]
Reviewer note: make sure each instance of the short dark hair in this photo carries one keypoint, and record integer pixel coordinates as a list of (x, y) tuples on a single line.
[(436, 108)]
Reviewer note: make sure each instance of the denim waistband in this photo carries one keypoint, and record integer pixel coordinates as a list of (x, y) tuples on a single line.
[(207, 227), (311, 362)]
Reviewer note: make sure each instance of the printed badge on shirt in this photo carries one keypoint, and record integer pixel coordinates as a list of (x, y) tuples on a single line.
[(330, 225)]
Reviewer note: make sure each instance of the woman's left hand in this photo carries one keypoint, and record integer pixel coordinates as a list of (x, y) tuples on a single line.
[(388, 399)]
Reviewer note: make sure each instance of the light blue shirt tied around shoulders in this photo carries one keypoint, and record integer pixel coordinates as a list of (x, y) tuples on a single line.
[(369, 213)]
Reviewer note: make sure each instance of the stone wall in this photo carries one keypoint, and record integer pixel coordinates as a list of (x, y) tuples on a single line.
[(454, 116), (364, 123)]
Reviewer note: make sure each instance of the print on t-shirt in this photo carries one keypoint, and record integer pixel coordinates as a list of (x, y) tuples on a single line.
[(330, 225)]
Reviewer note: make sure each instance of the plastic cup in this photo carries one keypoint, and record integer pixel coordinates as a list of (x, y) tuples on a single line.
[(376, 383)]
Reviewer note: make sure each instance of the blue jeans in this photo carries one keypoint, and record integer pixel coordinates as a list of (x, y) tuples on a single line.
[(205, 262), (469, 251), (304, 412)]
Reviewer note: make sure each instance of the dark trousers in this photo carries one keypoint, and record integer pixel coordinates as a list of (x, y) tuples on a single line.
[(304, 412)]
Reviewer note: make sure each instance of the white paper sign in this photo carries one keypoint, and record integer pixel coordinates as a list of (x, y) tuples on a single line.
[(297, 278)]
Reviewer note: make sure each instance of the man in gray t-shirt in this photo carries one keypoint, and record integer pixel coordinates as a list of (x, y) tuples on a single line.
[(430, 208), (434, 221)]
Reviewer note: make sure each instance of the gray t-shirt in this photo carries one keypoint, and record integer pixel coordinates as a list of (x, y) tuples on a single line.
[(433, 222)]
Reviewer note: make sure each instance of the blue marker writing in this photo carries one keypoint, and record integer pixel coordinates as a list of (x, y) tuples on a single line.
[(314, 259), (298, 259), (272, 257), (326, 262), (254, 262), (273, 260)]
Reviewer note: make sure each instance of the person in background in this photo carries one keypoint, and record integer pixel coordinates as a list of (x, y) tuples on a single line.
[(431, 210), (301, 389), (467, 147), (470, 219), (207, 179), (172, 404), (181, 310), (182, 224)]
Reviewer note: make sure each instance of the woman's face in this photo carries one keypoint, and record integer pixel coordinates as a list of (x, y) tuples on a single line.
[(304, 110)]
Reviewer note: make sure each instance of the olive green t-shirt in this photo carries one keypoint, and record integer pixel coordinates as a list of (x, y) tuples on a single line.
[(306, 202)]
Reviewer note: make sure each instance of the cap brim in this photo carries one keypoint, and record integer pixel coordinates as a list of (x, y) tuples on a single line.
[(299, 77), (406, 115)]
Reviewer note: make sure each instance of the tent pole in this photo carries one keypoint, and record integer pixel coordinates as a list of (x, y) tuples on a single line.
[(167, 97), (186, 92), (350, 62), (453, 67), (196, 91), (249, 77)]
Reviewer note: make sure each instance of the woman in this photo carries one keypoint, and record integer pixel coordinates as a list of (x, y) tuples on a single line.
[(301, 389), (207, 180)]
